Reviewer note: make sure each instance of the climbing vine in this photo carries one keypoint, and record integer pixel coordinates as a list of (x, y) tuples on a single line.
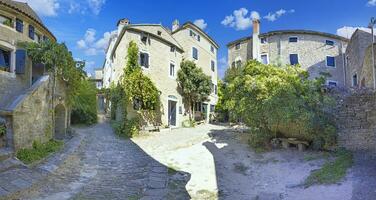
[(136, 88)]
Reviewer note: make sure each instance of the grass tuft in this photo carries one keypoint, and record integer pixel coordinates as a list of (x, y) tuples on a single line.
[(332, 171), (39, 151)]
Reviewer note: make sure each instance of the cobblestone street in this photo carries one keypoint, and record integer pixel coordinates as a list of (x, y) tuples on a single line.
[(104, 167)]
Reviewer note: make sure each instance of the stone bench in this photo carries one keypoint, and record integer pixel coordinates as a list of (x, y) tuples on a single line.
[(286, 143)]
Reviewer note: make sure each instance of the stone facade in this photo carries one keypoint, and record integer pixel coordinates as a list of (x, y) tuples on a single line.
[(26, 89), (358, 61), (311, 48), (164, 49), (356, 120)]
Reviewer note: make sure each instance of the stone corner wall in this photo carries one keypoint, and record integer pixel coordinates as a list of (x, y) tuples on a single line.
[(356, 121)]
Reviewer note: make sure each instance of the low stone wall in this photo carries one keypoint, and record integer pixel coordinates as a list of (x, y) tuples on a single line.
[(356, 121)]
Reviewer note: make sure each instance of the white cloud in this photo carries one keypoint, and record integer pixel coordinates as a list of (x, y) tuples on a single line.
[(279, 13), (239, 19), (74, 7), (91, 46), (347, 31), (371, 3), (201, 23), (44, 7), (96, 5)]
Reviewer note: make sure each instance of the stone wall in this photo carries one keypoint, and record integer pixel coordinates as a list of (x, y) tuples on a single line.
[(356, 120)]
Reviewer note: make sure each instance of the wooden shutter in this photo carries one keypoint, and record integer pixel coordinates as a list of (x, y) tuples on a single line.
[(20, 61), (146, 60)]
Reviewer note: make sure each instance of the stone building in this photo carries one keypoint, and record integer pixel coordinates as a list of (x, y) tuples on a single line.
[(315, 51), (161, 52), (26, 103), (359, 71)]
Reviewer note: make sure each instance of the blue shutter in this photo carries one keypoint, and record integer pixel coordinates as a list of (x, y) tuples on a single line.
[(20, 61), (146, 60)]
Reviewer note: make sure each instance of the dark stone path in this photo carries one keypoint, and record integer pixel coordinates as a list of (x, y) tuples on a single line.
[(104, 167)]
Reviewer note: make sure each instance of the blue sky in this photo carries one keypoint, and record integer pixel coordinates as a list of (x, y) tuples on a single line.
[(86, 25)]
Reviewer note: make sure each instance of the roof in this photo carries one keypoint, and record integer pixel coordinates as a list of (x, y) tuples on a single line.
[(143, 28), (25, 9), (187, 24), (278, 32)]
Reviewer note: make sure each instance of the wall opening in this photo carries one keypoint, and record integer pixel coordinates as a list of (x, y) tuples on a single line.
[(60, 122)]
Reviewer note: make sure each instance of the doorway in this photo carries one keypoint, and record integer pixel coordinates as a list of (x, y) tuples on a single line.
[(60, 122), (172, 113)]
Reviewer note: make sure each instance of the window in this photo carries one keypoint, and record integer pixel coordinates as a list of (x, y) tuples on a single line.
[(144, 60), (194, 35), (237, 46), (330, 61), (194, 53), (263, 41), (6, 21), (172, 49), (355, 80), (213, 65), (215, 89), (332, 83), (172, 70), (159, 33), (45, 38), (212, 49), (197, 107), (4, 60), (329, 42), (19, 25), (264, 59), (31, 32), (212, 107), (144, 38), (238, 63), (212, 87), (293, 39), (294, 59)]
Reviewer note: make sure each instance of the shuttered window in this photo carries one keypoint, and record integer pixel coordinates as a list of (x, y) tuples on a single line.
[(194, 53), (20, 61), (144, 60), (31, 32), (19, 25), (294, 59)]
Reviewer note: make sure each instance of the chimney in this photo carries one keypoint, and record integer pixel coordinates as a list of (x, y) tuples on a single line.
[(256, 40), (121, 23), (175, 25)]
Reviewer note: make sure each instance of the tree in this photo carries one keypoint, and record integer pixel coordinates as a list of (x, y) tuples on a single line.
[(195, 85), (59, 62), (280, 100)]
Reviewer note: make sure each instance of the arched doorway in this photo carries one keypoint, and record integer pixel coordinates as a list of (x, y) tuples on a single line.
[(60, 122)]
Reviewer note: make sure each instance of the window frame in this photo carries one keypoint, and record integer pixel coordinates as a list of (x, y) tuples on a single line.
[(238, 46), (21, 24), (352, 80), (334, 61), (267, 58), (263, 39), (297, 39), (31, 33), (193, 55), (212, 65), (297, 56), (144, 52), (212, 49), (331, 81), (174, 71), (9, 54), (329, 41)]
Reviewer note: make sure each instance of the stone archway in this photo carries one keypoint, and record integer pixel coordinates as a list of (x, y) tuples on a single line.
[(60, 122)]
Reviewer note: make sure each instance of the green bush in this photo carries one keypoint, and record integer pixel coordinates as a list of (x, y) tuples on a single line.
[(259, 140), (281, 101), (128, 128), (38, 151), (84, 109)]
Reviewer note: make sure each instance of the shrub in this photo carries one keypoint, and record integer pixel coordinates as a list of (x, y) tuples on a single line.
[(127, 128), (38, 151), (279, 100), (84, 109), (259, 140)]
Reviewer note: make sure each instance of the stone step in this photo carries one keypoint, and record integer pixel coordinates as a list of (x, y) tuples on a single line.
[(5, 154), (10, 163)]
